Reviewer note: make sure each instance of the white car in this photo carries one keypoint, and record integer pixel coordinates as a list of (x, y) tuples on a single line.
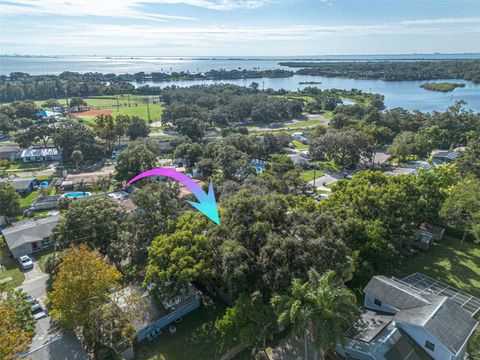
[(25, 262)]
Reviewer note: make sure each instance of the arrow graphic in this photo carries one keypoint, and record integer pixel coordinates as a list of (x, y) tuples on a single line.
[(207, 203)]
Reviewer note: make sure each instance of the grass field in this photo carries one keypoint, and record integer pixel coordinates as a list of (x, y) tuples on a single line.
[(136, 106), (299, 146), (448, 263), (29, 199), (195, 335), (308, 175), (300, 124), (10, 268)]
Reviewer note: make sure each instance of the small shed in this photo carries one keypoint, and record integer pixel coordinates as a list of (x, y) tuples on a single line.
[(423, 239), (435, 230)]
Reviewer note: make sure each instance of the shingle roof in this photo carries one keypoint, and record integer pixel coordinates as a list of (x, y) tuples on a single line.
[(443, 318), (9, 148), (451, 325), (21, 184), (394, 293), (29, 231)]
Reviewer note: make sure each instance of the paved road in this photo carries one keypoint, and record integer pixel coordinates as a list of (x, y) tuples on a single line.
[(36, 284)]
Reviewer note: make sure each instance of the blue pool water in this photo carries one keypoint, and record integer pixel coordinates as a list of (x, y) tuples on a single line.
[(74, 195)]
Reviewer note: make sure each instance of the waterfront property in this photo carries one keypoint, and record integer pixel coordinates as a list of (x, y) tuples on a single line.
[(415, 318), (27, 236), (42, 154)]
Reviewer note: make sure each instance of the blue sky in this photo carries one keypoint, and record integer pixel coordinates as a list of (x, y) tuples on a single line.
[(238, 27)]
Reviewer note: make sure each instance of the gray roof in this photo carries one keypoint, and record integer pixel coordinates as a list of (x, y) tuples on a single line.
[(439, 315), (9, 148), (444, 319), (394, 293), (28, 231), (22, 183), (451, 325)]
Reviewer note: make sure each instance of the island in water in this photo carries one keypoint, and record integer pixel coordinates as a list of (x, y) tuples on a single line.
[(443, 87), (310, 82)]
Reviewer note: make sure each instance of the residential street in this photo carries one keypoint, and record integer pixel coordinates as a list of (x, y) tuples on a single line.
[(36, 284)]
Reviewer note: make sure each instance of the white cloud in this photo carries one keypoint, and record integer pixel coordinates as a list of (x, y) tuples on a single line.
[(442, 21), (107, 36), (134, 9)]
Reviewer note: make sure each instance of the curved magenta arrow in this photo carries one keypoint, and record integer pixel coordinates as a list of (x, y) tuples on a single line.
[(207, 203)]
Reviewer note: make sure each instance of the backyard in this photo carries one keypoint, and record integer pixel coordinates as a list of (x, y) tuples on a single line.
[(195, 335), (9, 267), (448, 263), (309, 175)]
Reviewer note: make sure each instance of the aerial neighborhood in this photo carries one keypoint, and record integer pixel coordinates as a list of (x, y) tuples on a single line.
[(239, 207)]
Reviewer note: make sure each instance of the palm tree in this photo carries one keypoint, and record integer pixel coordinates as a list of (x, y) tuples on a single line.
[(320, 308), (77, 157)]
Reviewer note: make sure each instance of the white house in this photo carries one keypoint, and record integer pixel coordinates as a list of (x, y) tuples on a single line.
[(40, 154), (300, 137), (404, 321)]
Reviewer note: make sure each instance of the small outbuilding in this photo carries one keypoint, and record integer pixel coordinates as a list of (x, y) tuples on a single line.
[(435, 230), (423, 239)]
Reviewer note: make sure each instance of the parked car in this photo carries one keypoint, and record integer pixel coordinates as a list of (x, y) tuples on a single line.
[(321, 197), (39, 313), (25, 262)]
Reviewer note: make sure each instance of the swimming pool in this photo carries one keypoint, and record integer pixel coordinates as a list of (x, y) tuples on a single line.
[(75, 195)]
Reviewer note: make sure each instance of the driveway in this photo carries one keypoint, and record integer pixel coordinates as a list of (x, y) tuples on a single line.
[(34, 273), (36, 284)]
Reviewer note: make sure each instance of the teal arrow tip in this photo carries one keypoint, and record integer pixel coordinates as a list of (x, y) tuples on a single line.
[(208, 205)]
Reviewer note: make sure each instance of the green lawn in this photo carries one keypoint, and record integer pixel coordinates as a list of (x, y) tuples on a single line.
[(41, 256), (21, 166), (299, 146), (309, 175), (10, 268), (448, 263), (137, 106), (195, 338), (29, 199), (300, 124)]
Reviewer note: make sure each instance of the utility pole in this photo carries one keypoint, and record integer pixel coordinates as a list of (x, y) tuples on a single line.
[(128, 100), (118, 104)]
